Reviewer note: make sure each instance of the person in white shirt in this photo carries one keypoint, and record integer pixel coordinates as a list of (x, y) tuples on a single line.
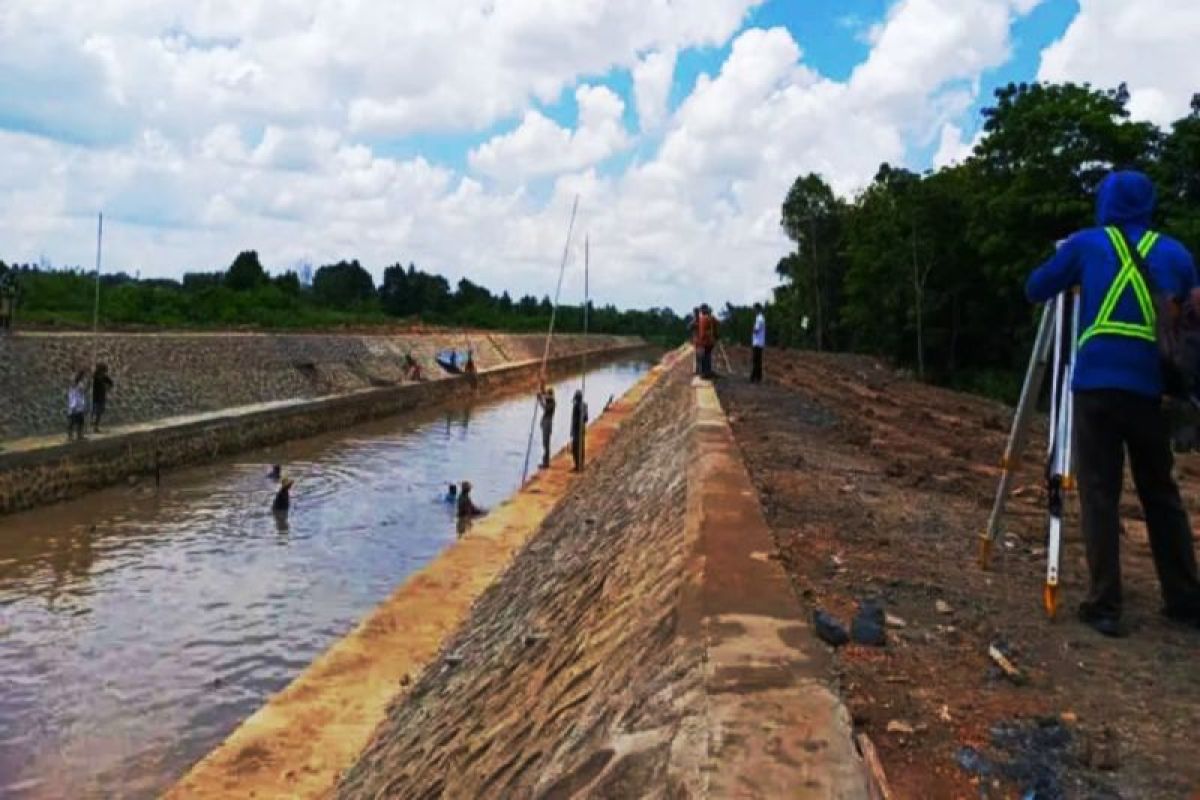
[(758, 342), (76, 406)]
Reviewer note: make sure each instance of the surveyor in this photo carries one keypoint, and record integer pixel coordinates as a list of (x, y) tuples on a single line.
[(694, 336), (579, 419), (1118, 393), (77, 406), (466, 507), (283, 498), (101, 385), (758, 340), (707, 335), (546, 402)]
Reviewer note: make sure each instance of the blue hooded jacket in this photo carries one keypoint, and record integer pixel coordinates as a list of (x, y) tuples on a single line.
[(1087, 259)]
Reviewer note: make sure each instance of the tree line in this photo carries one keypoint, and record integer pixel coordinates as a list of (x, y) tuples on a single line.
[(928, 270), (339, 294)]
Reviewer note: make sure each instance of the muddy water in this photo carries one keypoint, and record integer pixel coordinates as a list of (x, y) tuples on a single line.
[(138, 625)]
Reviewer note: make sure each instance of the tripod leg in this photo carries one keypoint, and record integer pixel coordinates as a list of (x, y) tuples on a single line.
[(1034, 375), (1061, 478)]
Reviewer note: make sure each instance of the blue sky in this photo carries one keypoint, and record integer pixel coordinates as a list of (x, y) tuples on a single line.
[(456, 133)]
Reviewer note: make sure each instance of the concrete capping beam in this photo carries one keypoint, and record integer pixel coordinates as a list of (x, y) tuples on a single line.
[(53, 471), (299, 743), (772, 725)]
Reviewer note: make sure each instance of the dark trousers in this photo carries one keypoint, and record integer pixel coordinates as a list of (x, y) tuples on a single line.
[(75, 423), (577, 451), (546, 430), (1107, 423), (706, 361), (756, 365), (97, 413)]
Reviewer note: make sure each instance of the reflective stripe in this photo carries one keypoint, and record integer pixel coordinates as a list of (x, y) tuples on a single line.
[(1127, 276)]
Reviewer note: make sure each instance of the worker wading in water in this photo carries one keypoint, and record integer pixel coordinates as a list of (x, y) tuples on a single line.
[(579, 419), (547, 403)]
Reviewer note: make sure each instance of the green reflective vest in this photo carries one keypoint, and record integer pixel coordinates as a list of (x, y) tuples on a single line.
[(1128, 276)]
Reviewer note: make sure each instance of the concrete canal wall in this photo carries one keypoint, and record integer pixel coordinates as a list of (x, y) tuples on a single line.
[(36, 471), (162, 375), (624, 633)]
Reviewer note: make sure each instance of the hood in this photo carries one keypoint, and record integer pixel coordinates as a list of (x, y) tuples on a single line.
[(1125, 198)]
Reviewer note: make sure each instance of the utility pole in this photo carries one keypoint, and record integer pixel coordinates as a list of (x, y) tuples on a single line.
[(96, 304)]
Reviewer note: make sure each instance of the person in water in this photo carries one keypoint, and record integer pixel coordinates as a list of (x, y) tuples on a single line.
[(545, 399), (451, 497), (466, 507), (283, 498), (579, 419), (275, 473)]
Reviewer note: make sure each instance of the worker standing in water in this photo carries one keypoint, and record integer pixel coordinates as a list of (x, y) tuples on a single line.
[(579, 419), (283, 498), (466, 506), (547, 403)]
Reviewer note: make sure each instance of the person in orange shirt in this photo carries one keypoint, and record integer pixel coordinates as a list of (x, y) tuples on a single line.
[(707, 339)]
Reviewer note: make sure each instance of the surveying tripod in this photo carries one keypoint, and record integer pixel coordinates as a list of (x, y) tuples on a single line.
[(1055, 347)]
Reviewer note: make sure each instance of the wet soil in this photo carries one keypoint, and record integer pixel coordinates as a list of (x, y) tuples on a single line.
[(877, 486)]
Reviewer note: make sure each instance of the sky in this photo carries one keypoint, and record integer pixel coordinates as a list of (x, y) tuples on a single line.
[(457, 134)]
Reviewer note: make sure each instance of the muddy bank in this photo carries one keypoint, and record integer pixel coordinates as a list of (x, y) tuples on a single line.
[(161, 375), (876, 486)]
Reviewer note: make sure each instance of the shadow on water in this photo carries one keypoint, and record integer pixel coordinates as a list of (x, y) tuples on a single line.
[(139, 626)]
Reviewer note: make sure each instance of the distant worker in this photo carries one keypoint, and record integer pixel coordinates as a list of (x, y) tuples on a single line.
[(579, 419), (451, 496), (8, 296), (758, 341), (1118, 386), (546, 401), (412, 370), (101, 385), (467, 507), (694, 337), (469, 368), (707, 333), (276, 472), (77, 406), (283, 498)]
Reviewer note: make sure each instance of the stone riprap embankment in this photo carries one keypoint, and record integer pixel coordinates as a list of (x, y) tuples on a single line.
[(643, 644), (168, 375), (39, 470)]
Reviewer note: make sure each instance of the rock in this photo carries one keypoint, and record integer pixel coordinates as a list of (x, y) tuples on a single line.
[(828, 629), (892, 621), (1069, 717), (943, 607), (868, 625), (944, 713), (899, 726)]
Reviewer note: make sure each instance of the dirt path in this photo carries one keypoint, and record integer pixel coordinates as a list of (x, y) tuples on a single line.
[(877, 486)]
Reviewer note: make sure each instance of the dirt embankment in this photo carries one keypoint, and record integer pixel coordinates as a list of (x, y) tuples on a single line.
[(568, 673), (877, 486)]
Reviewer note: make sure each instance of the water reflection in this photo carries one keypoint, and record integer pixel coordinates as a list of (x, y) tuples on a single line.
[(139, 625)]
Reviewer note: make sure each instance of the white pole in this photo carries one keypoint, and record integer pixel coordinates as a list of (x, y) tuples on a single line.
[(96, 305)]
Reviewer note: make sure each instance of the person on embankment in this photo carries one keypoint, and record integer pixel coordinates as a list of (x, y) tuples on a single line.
[(707, 337), (758, 341), (694, 336), (546, 402), (102, 384), (1118, 390), (77, 406)]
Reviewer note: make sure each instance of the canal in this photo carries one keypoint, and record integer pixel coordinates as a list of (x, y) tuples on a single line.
[(140, 625)]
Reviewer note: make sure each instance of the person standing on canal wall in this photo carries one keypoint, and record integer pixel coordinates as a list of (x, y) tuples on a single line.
[(758, 341), (579, 419), (547, 403), (707, 335), (101, 385), (77, 406)]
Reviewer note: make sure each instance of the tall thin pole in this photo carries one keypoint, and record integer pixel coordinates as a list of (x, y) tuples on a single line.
[(562, 268), (96, 304), (583, 382)]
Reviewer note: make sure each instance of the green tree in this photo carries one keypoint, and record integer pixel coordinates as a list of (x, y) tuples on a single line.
[(246, 273), (344, 285)]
